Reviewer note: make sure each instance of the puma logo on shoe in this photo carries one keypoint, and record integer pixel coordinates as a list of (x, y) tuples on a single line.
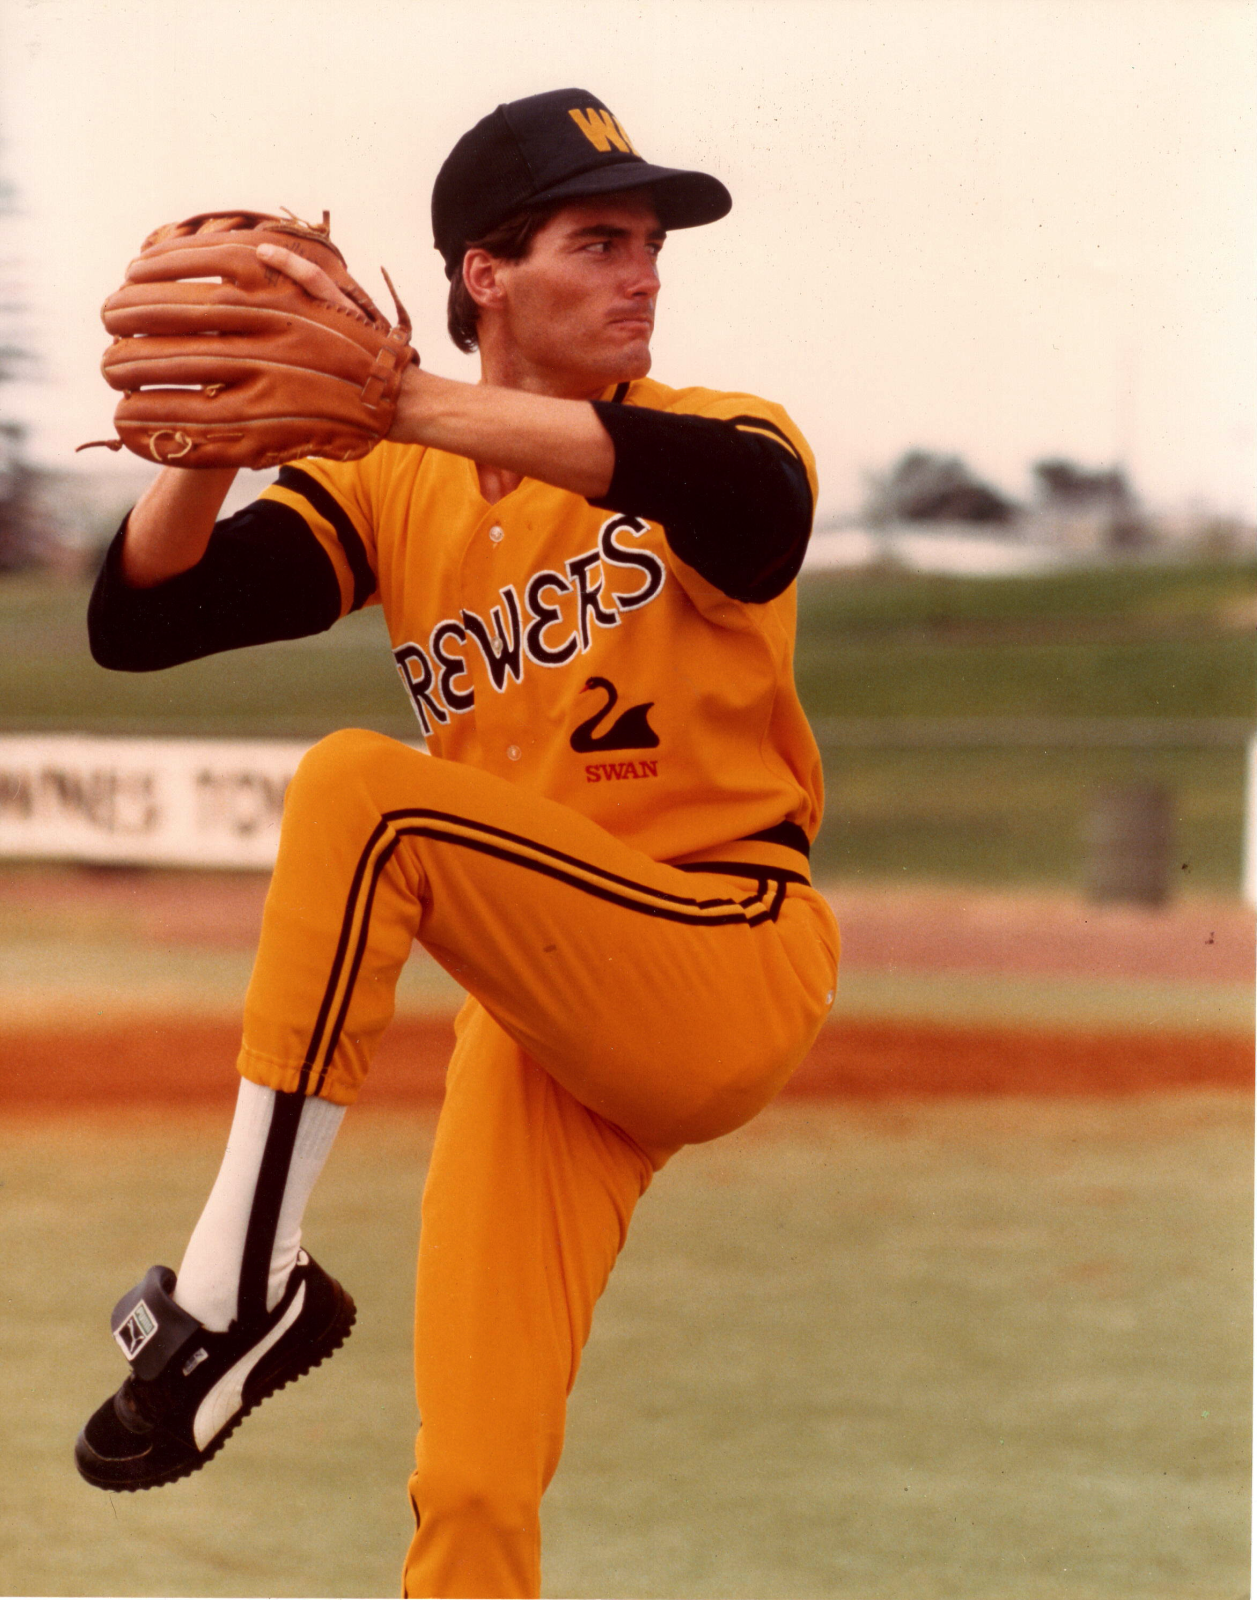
[(136, 1331), (227, 1396)]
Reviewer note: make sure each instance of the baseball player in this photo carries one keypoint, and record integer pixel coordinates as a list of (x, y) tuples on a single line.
[(588, 583)]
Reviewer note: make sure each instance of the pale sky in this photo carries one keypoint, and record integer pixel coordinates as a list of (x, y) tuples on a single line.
[(1004, 228)]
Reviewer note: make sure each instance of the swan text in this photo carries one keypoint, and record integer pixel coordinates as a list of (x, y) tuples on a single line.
[(613, 771)]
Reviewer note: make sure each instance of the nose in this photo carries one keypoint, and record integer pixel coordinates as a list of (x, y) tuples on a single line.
[(643, 280)]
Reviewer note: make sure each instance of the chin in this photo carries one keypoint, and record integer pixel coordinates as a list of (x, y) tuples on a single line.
[(632, 363), (605, 367)]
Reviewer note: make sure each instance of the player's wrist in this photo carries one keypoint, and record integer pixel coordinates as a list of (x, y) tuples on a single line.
[(417, 406)]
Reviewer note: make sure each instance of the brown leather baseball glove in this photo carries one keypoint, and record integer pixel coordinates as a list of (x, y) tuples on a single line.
[(248, 369)]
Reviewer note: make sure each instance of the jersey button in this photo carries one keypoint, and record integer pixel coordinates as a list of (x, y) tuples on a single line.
[(496, 534), (513, 752)]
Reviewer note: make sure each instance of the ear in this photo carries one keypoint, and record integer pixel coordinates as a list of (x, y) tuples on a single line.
[(481, 277)]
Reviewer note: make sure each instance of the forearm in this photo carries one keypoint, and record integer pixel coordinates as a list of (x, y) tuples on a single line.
[(560, 442), (170, 527), (263, 576)]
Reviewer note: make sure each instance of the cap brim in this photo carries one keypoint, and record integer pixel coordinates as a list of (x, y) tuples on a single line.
[(682, 199)]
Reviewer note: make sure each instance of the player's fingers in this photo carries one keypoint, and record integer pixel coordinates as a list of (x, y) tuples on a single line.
[(312, 279), (221, 358), (231, 263)]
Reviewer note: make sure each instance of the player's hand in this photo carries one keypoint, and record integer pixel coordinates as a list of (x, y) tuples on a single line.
[(306, 274)]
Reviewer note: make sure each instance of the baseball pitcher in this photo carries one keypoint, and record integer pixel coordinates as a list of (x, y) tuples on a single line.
[(587, 579)]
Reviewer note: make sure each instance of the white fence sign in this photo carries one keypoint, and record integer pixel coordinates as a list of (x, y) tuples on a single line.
[(170, 802)]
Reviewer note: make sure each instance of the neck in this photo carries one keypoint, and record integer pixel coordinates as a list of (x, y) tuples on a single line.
[(508, 373), (505, 365)]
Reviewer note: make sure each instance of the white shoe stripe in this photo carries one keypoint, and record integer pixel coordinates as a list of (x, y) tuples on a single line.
[(227, 1396)]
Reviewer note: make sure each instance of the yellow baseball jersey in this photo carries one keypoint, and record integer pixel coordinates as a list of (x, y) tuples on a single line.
[(569, 650)]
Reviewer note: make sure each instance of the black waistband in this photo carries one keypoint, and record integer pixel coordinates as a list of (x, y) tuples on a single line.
[(745, 869), (788, 833)]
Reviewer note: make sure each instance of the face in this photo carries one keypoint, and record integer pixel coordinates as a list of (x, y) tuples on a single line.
[(578, 312)]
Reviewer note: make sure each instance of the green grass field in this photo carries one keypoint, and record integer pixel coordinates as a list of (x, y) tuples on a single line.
[(969, 1350), (1114, 642), (1017, 817), (1104, 642), (1172, 641)]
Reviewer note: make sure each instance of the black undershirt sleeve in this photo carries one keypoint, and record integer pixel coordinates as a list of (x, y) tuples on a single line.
[(733, 497), (264, 576)]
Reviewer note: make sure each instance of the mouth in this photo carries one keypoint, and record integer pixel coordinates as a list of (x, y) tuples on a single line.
[(634, 324)]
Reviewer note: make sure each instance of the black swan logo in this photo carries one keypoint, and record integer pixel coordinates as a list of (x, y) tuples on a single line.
[(629, 731)]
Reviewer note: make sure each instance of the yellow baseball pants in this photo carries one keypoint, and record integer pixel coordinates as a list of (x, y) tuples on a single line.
[(620, 1009)]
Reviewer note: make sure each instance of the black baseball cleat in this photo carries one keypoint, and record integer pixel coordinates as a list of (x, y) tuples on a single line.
[(190, 1388)]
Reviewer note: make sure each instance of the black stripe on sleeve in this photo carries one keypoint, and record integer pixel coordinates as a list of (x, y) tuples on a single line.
[(733, 497), (264, 576), (331, 510)]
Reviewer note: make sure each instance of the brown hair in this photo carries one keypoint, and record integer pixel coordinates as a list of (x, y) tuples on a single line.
[(509, 241)]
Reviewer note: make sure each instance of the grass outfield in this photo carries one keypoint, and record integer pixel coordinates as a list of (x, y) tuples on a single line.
[(1098, 642), (1114, 642), (1118, 642), (1016, 817), (989, 1350)]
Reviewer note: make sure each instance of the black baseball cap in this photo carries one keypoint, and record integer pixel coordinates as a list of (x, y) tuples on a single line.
[(564, 145)]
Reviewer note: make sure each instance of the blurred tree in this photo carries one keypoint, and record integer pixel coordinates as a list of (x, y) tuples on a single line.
[(19, 540), (925, 487), (1063, 483), (1102, 495)]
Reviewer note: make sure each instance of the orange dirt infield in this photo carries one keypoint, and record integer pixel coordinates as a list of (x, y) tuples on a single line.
[(190, 1060), (184, 1062)]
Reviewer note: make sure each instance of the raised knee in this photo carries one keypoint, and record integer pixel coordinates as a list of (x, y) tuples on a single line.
[(336, 758), (346, 747), (729, 1101)]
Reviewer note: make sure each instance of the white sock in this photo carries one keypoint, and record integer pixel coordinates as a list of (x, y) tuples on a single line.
[(209, 1276)]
